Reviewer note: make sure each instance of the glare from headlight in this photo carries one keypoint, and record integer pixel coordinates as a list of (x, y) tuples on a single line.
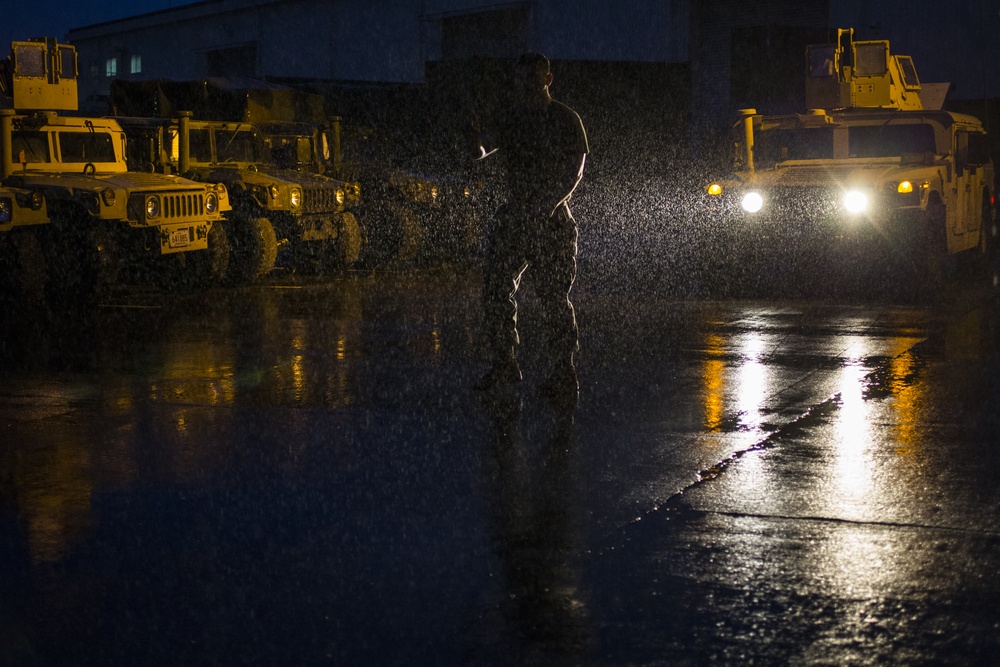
[(295, 197), (855, 201), (152, 206), (211, 202), (752, 202)]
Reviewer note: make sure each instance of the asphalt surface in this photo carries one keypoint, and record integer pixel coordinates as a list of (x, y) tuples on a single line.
[(300, 473)]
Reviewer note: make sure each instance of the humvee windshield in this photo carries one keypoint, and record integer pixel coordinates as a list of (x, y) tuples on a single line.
[(86, 147), (238, 146), (863, 141), (890, 140), (773, 146), (231, 146), (74, 147), (29, 147), (290, 151)]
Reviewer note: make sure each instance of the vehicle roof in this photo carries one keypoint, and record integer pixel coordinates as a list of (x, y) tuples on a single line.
[(848, 116)]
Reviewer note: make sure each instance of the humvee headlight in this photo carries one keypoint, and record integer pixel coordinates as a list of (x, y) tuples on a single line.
[(855, 201), (211, 202), (714, 189), (152, 206), (37, 200), (295, 197), (340, 195), (108, 196), (752, 202), (5, 211), (434, 192), (904, 188), (274, 191)]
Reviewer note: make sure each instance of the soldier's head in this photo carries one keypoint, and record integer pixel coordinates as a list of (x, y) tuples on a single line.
[(532, 77)]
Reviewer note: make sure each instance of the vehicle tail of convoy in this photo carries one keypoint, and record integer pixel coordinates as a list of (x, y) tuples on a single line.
[(102, 218), (308, 215), (417, 210), (874, 159)]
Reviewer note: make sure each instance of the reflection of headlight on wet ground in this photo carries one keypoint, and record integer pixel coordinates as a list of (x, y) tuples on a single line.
[(752, 202), (855, 201)]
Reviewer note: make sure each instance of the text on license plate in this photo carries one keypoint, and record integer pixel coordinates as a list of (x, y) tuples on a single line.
[(180, 238)]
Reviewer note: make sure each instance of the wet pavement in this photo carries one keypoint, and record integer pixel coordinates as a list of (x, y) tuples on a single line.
[(299, 473)]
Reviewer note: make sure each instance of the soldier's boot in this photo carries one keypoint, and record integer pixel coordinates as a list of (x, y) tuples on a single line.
[(504, 371), (562, 383)]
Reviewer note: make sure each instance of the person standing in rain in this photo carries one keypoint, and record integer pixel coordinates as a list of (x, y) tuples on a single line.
[(543, 147)]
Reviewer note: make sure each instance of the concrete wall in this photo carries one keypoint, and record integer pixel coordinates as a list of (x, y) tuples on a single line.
[(364, 40)]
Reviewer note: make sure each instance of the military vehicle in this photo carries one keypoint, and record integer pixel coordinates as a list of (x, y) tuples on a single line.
[(416, 211), (874, 161), (103, 218), (22, 263), (307, 214)]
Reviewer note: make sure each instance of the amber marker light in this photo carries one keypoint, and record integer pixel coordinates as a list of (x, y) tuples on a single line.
[(904, 188), (714, 189)]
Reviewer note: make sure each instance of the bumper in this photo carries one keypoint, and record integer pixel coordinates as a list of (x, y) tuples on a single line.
[(183, 237)]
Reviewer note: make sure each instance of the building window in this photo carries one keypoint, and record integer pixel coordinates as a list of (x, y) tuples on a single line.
[(111, 67), (136, 67)]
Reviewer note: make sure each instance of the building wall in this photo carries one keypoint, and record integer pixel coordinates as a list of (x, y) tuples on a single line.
[(633, 31), (643, 31), (769, 38), (366, 40)]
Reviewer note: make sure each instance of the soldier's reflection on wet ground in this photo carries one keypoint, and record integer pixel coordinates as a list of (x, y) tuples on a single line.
[(529, 487)]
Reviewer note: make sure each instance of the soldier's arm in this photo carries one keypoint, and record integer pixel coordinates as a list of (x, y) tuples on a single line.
[(570, 172), (476, 140)]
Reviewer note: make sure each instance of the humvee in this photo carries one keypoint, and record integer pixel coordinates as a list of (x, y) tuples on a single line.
[(103, 218), (873, 158), (22, 263)]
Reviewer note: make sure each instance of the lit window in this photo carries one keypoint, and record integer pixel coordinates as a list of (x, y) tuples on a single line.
[(136, 64), (111, 67)]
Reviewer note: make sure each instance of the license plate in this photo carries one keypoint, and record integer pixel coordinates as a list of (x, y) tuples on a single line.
[(180, 238)]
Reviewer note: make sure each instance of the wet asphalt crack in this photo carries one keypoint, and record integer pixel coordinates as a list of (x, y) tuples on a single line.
[(842, 521), (797, 427)]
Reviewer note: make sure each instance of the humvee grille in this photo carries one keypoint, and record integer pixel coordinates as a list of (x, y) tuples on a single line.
[(320, 200), (804, 201), (183, 206)]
